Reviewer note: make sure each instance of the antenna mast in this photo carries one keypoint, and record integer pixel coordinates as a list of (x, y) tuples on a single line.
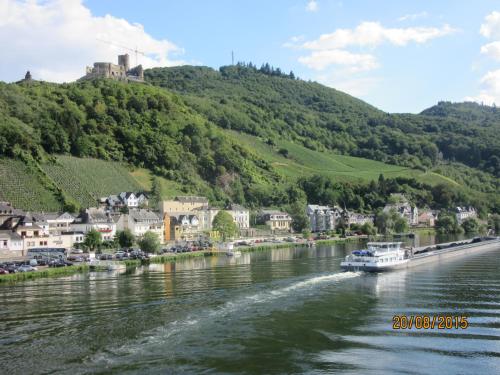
[(232, 57)]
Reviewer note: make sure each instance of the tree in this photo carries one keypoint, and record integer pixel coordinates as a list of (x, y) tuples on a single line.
[(494, 223), (300, 221), (470, 225), (384, 222), (149, 243), (283, 152), (400, 225), (225, 225), (156, 191), (368, 228), (125, 238), (93, 240), (447, 223)]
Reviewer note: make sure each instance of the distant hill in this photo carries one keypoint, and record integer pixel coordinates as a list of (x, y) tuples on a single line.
[(243, 135), (273, 105)]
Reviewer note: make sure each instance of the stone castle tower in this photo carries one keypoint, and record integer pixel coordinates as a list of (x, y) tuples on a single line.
[(120, 72)]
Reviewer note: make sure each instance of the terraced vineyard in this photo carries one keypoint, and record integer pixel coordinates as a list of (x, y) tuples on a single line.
[(23, 189), (85, 180), (304, 162)]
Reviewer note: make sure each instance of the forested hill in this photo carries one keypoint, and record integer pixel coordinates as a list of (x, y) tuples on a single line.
[(259, 138), (271, 104)]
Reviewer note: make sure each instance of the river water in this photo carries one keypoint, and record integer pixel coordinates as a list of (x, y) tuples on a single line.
[(287, 311)]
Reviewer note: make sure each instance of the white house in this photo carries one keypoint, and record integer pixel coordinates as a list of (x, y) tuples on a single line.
[(360, 219), (11, 244), (323, 218), (141, 221), (463, 213), (97, 219), (241, 216), (53, 223)]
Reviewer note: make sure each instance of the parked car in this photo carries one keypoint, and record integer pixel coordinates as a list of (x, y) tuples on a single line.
[(105, 257), (76, 251), (3, 271), (120, 255), (76, 258), (26, 268), (11, 267), (57, 263)]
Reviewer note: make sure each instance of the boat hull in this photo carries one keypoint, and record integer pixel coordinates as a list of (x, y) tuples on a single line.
[(347, 266), (426, 258)]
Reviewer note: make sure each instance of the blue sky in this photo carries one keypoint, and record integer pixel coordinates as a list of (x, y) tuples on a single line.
[(401, 56)]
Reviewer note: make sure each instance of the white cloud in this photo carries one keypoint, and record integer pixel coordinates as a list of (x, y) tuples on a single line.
[(490, 89), (333, 48), (319, 60), (491, 27), (56, 39), (412, 17), (373, 34), (312, 6), (492, 50)]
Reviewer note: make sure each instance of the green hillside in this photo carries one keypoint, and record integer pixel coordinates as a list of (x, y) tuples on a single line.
[(302, 161), (21, 186), (267, 103), (239, 135), (86, 180)]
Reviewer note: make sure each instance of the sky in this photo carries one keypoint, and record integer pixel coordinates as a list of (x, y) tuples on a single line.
[(400, 56)]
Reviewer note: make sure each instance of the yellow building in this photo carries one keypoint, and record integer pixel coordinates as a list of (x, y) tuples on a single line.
[(183, 204)]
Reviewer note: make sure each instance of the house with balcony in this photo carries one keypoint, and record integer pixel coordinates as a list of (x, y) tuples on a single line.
[(277, 221), (97, 219), (240, 214), (323, 218), (183, 226)]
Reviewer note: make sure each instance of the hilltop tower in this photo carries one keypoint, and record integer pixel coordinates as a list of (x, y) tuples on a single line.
[(124, 60)]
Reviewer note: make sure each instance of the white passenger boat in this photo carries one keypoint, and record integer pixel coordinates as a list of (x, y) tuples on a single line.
[(380, 256)]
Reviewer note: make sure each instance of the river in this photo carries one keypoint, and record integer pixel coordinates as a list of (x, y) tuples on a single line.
[(286, 311)]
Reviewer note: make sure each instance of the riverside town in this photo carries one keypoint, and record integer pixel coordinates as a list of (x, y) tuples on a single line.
[(289, 187)]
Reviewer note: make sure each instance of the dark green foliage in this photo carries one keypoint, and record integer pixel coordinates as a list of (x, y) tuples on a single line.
[(93, 240), (181, 137), (224, 224), (494, 223), (368, 228), (470, 225), (447, 223), (267, 103), (138, 124), (149, 243), (298, 214), (125, 238)]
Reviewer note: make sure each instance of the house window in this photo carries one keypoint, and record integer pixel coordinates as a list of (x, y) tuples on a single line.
[(23, 233)]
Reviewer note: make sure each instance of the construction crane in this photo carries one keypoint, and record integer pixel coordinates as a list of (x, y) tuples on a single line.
[(135, 50)]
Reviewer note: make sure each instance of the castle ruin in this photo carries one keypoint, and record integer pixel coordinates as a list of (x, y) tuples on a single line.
[(120, 72)]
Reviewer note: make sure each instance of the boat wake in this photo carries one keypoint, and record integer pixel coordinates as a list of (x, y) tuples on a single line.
[(253, 305)]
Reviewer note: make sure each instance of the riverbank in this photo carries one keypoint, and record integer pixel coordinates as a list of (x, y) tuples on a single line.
[(70, 270), (47, 272)]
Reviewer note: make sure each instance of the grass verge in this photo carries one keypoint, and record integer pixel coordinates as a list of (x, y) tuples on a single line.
[(48, 272)]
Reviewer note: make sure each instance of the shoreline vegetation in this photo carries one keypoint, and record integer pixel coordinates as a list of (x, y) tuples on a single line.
[(83, 268)]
